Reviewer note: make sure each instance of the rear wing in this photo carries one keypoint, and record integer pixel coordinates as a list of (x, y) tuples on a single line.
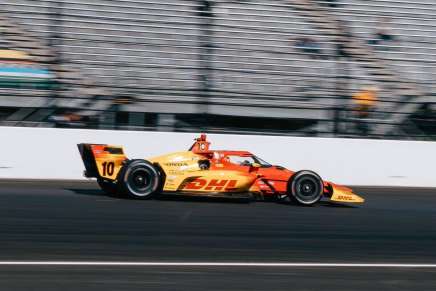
[(102, 160)]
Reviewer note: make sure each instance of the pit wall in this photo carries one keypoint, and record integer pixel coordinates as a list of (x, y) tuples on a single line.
[(45, 153)]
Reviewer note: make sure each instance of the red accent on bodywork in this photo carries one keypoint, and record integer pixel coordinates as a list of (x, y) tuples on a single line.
[(217, 185), (212, 185), (201, 145), (269, 180), (197, 184), (231, 185), (274, 178)]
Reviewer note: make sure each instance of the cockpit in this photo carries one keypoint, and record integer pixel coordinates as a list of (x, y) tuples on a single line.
[(247, 160)]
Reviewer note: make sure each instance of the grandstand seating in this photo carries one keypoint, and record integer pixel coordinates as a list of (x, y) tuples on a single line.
[(159, 52)]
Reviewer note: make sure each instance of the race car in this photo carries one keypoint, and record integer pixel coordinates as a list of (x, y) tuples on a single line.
[(201, 171)]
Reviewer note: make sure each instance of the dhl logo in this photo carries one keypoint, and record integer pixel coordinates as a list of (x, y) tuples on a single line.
[(343, 197), (212, 185)]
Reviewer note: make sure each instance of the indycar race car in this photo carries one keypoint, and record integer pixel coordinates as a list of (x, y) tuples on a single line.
[(205, 172)]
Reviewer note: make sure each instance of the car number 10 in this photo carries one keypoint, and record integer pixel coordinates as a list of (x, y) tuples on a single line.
[(108, 168)]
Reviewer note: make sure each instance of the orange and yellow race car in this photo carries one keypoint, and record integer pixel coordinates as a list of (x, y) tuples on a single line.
[(205, 172)]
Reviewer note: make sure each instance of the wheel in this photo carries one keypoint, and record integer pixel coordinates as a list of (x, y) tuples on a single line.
[(108, 187), (139, 179), (305, 187)]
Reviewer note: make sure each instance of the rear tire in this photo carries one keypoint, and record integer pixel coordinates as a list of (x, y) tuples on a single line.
[(305, 187), (139, 179)]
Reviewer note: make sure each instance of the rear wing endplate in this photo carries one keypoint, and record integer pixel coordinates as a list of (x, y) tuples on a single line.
[(101, 160)]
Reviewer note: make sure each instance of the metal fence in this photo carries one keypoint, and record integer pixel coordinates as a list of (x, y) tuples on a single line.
[(280, 67)]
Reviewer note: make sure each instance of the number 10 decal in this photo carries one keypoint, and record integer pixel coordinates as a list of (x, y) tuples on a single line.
[(108, 168)]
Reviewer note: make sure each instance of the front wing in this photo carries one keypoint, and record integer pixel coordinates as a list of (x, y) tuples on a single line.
[(344, 194)]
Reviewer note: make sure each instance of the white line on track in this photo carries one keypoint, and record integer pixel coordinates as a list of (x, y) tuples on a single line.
[(213, 264)]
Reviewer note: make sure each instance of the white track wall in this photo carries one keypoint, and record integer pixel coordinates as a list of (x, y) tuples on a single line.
[(40, 153)]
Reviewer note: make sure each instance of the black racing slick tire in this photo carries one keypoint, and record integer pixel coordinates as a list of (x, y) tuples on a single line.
[(108, 187), (139, 179), (305, 187)]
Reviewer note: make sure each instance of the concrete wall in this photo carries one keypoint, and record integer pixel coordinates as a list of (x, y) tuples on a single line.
[(40, 153)]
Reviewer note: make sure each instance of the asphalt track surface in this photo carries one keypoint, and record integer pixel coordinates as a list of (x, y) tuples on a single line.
[(66, 221)]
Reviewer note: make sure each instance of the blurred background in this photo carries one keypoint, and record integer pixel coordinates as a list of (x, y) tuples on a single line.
[(345, 68)]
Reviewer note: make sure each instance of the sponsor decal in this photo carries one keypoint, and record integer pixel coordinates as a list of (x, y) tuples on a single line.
[(174, 164), (343, 197), (212, 185), (177, 172)]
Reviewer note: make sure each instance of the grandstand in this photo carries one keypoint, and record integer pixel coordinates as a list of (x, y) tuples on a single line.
[(286, 66)]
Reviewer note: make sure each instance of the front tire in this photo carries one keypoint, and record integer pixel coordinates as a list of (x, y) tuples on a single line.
[(305, 187), (140, 179)]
